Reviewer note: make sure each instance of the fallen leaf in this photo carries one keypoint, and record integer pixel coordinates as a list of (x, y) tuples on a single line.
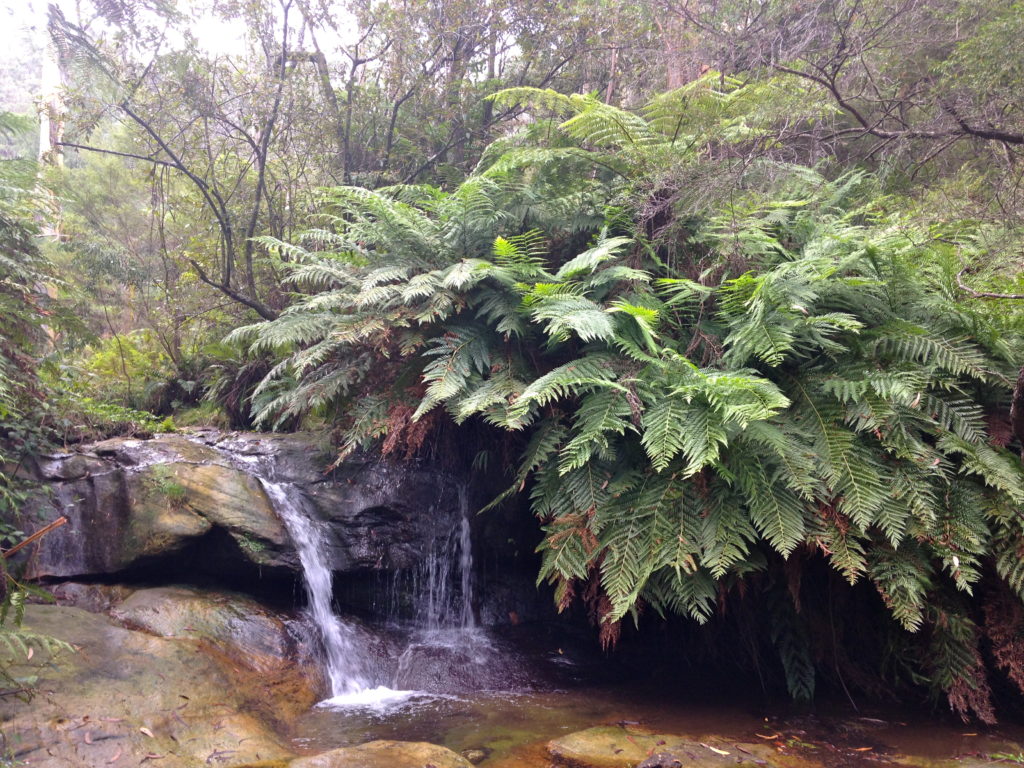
[(31, 653), (147, 732), (968, 734), (88, 738), (716, 750), (768, 738), (862, 749), (116, 757)]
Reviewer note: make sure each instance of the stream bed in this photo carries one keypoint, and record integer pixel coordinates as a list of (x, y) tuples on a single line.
[(510, 730)]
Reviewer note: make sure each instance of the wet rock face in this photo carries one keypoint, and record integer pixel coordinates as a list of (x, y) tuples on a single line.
[(123, 695), (384, 516), (453, 662), (135, 503)]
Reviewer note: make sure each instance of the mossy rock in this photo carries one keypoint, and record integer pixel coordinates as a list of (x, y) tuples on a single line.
[(171, 503)]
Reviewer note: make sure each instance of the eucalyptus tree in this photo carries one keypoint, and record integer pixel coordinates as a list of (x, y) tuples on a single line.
[(413, 106), (214, 120), (912, 80)]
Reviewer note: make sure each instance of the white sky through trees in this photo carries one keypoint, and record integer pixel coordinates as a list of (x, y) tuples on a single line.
[(23, 37)]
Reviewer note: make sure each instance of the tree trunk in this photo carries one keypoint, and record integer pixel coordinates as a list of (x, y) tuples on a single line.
[(1017, 411)]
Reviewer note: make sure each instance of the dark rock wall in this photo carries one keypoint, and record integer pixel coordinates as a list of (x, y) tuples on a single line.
[(191, 508)]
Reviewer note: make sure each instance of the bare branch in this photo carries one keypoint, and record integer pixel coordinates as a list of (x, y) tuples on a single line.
[(983, 294), (102, 151)]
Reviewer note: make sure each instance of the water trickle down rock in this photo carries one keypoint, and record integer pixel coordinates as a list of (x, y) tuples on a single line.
[(346, 668), (448, 652), (443, 583)]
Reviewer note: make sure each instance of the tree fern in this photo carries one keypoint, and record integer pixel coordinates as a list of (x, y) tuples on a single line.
[(770, 382)]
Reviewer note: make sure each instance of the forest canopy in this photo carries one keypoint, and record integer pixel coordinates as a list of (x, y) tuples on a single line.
[(727, 292)]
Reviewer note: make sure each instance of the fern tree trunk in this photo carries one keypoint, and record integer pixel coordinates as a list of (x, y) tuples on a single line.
[(1017, 411)]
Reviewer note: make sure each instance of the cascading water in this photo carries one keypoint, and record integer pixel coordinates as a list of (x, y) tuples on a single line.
[(345, 662), (345, 668), (448, 651), (444, 652), (443, 584)]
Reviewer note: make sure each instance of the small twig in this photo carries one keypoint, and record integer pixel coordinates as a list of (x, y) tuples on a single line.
[(983, 294), (62, 520)]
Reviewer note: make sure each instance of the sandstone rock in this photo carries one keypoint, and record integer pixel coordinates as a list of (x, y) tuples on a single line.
[(385, 754), (124, 695), (628, 747), (173, 502), (234, 625), (123, 518)]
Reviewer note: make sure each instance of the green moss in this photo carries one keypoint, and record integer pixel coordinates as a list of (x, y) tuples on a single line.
[(164, 482), (250, 544)]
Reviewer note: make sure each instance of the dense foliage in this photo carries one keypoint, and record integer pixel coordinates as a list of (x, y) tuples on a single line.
[(22, 315), (732, 288), (786, 375)]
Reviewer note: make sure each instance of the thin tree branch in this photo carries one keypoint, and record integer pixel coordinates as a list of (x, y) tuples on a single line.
[(36, 536), (983, 294), (85, 148)]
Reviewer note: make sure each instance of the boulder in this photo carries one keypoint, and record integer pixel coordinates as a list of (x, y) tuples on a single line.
[(123, 696), (631, 747), (385, 754), (447, 661), (185, 500), (95, 598), (235, 626)]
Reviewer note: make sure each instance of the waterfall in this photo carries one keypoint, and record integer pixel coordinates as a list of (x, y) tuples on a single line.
[(444, 581), (446, 644), (467, 620), (346, 669)]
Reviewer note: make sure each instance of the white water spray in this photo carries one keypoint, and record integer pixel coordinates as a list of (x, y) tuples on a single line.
[(345, 667)]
